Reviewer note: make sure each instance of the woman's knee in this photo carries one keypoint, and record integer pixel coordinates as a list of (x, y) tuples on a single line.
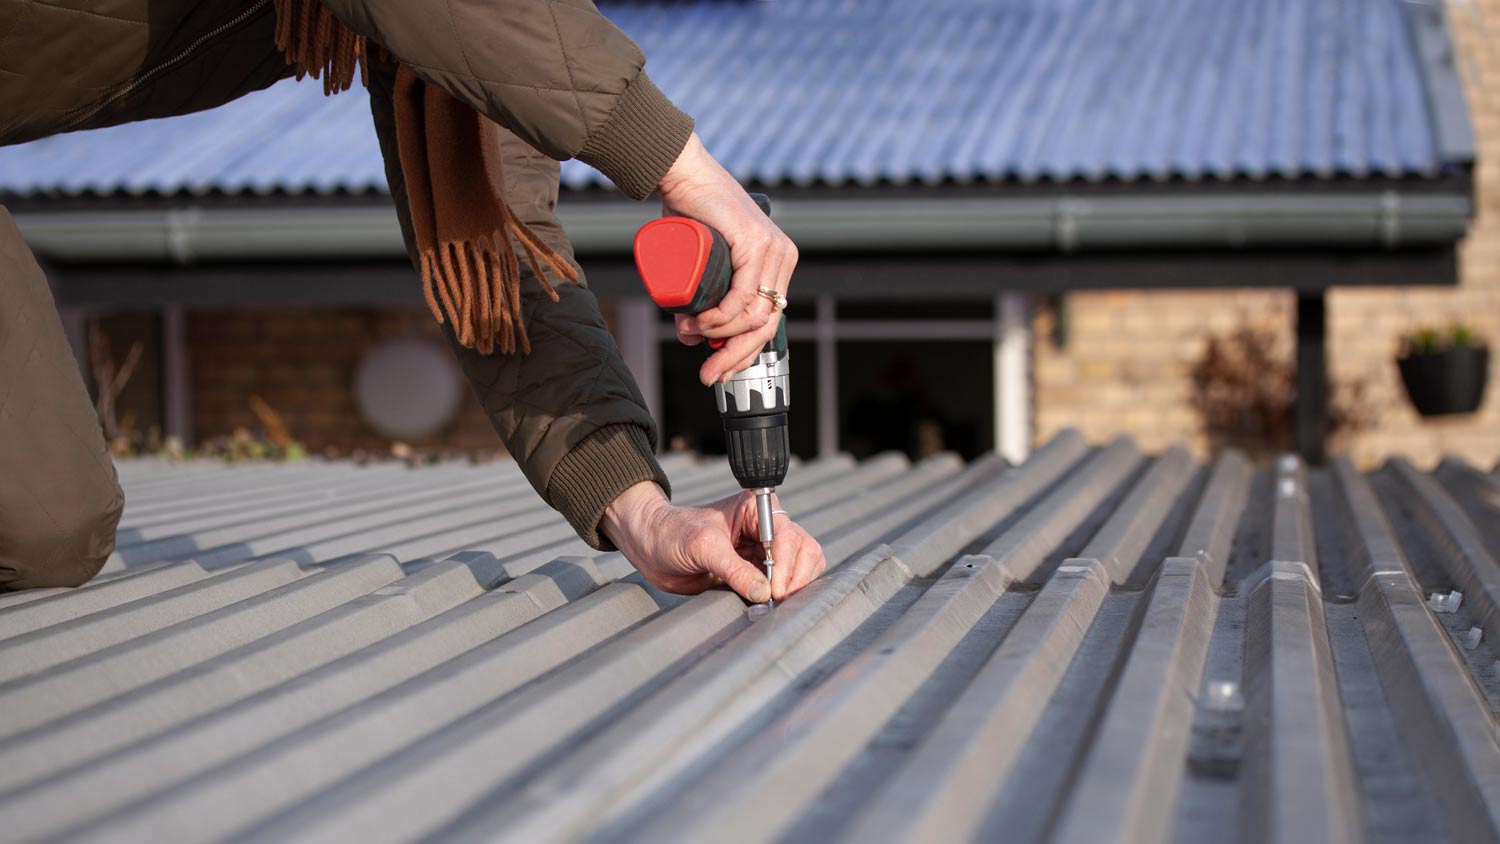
[(59, 496)]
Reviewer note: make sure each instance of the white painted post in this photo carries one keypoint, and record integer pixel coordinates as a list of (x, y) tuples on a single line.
[(828, 376), (176, 396), (636, 331), (1013, 376)]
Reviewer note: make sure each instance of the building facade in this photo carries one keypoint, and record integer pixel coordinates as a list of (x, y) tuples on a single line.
[(1129, 357), (983, 197)]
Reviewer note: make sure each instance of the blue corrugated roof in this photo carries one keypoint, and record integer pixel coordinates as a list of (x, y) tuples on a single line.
[(864, 91)]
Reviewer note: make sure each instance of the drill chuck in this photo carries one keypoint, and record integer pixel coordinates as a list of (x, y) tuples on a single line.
[(753, 405), (758, 449)]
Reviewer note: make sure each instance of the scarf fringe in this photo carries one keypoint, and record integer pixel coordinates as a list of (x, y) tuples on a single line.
[(319, 45), (475, 286), (472, 285)]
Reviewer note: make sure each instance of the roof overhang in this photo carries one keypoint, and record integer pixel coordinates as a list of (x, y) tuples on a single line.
[(219, 251), (1393, 218)]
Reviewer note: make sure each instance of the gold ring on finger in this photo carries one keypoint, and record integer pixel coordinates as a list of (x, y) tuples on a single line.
[(778, 300)]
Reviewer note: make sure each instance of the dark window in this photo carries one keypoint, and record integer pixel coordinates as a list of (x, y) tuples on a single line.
[(691, 419), (927, 310), (918, 397)]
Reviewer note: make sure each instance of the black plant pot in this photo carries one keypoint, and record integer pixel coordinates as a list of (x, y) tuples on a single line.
[(1447, 381)]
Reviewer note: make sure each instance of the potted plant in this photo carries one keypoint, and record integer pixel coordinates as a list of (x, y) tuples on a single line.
[(1444, 372)]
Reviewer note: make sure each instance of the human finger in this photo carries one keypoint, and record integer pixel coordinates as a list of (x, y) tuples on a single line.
[(715, 554), (737, 354), (761, 306), (749, 270), (751, 319), (784, 552), (809, 565), (687, 331), (767, 263), (784, 270)]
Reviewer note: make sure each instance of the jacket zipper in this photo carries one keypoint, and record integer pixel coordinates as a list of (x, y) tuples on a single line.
[(145, 76)]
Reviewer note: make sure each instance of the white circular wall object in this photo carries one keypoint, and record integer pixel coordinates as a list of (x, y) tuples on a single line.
[(408, 388)]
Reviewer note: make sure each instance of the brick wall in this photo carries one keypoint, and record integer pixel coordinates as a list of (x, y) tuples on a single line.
[(303, 363), (1126, 363)]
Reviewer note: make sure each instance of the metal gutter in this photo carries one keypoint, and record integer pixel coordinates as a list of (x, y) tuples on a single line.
[(1065, 224)]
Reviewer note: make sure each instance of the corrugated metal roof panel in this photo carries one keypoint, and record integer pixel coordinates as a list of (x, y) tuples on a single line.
[(842, 92), (288, 137), (1095, 645)]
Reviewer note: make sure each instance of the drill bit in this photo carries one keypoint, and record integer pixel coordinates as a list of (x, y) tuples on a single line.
[(767, 532), (770, 568)]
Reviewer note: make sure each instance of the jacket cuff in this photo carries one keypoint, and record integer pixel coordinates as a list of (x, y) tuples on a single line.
[(595, 472), (641, 139)]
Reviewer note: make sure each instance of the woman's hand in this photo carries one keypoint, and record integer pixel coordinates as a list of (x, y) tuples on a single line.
[(689, 549), (698, 187)]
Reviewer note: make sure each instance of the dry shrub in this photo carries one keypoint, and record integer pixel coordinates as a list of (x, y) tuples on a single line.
[(110, 379), (1245, 389)]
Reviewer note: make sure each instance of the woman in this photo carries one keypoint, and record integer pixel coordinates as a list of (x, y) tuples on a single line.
[(474, 103)]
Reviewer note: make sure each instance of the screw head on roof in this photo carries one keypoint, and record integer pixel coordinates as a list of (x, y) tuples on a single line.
[(1224, 696), (1438, 602)]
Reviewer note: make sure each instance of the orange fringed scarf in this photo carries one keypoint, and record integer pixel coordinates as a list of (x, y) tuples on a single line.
[(450, 158)]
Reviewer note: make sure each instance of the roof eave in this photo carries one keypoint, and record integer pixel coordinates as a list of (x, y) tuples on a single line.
[(1065, 223)]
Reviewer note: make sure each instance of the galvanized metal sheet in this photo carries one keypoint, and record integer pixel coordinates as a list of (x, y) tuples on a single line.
[(1094, 645)]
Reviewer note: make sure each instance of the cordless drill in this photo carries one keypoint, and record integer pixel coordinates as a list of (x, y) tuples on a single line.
[(685, 266)]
